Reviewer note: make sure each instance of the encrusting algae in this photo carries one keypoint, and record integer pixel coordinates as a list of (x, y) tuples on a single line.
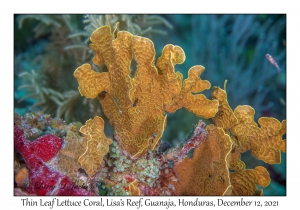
[(134, 162)]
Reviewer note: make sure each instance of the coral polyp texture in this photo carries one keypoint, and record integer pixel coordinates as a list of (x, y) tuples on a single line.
[(206, 173), (265, 143), (97, 145), (135, 161)]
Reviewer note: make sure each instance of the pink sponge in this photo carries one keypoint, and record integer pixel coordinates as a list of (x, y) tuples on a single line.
[(43, 180)]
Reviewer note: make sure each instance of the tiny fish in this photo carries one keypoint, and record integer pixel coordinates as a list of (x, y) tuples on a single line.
[(272, 61), (282, 101)]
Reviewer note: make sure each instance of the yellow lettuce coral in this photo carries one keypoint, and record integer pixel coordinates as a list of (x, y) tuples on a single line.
[(133, 188), (66, 160), (244, 183), (97, 145), (207, 172), (224, 117), (265, 143), (136, 106)]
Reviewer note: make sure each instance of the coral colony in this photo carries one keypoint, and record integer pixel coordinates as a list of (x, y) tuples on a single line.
[(75, 159)]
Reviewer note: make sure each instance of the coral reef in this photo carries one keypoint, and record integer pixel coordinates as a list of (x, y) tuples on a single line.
[(151, 174), (135, 91)]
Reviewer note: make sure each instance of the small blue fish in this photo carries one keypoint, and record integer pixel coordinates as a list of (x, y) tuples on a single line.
[(273, 62)]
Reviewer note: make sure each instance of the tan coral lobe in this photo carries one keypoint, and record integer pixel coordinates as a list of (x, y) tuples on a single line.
[(91, 83), (244, 182), (207, 172), (264, 142), (133, 188), (66, 160), (224, 117), (97, 145)]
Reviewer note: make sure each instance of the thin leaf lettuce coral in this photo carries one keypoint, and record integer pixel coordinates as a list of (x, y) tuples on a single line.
[(136, 106)]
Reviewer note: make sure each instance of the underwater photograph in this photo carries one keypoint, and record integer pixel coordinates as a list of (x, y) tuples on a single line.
[(150, 104)]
